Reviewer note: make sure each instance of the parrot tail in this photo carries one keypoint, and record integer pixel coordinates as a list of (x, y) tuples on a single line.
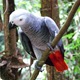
[(58, 61)]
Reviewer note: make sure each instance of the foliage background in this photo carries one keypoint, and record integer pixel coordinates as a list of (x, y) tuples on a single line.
[(71, 38)]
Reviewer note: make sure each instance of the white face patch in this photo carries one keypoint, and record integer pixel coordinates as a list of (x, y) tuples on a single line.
[(17, 16)]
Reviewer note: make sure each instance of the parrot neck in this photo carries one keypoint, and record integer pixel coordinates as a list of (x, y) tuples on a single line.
[(32, 23)]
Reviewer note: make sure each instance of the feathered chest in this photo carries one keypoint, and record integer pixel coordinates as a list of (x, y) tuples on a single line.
[(38, 34)]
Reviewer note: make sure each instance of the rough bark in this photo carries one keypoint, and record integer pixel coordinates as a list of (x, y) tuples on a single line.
[(6, 32), (46, 8), (57, 38), (10, 38), (55, 12)]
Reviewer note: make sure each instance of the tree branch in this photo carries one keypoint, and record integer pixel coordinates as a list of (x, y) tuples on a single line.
[(57, 38)]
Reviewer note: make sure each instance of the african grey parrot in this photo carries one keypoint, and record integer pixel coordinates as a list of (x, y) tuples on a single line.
[(38, 32)]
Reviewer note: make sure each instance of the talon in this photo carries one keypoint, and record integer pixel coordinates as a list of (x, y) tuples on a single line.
[(38, 67), (51, 48)]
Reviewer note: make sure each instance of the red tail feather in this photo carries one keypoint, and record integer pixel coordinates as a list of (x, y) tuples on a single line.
[(58, 61)]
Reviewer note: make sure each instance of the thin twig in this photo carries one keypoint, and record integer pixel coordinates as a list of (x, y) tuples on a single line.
[(3, 52), (6, 7)]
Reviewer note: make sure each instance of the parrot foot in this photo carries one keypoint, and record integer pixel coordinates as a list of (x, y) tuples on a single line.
[(51, 48), (38, 67)]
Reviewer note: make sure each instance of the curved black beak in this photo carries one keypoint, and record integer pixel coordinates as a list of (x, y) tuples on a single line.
[(11, 26)]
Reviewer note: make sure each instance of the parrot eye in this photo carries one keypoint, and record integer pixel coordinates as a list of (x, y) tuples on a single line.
[(12, 22), (21, 19)]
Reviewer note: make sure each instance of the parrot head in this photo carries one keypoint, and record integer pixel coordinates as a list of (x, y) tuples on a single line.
[(17, 18)]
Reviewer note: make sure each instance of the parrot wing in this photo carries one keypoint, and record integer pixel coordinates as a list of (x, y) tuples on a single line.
[(26, 43), (54, 30)]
